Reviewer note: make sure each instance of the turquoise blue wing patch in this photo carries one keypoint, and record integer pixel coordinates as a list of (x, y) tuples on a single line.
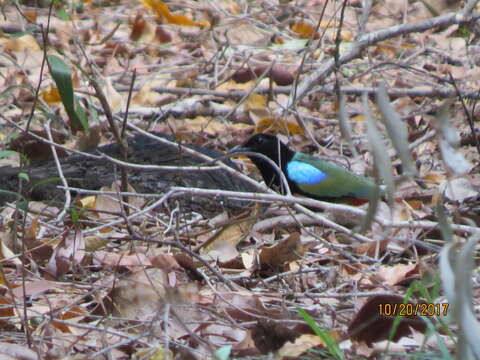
[(304, 173)]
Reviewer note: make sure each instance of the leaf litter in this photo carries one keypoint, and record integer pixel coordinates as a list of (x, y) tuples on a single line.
[(172, 284)]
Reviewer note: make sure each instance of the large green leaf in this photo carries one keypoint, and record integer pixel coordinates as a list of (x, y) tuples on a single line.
[(63, 80)]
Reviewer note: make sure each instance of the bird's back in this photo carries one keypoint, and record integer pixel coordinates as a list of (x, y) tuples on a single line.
[(329, 181)]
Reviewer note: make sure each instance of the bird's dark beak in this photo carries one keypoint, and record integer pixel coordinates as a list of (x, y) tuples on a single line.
[(238, 149)]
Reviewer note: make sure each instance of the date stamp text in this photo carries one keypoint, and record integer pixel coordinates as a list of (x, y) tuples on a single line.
[(428, 309)]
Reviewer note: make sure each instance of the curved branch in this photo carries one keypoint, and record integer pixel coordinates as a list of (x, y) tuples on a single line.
[(372, 38)]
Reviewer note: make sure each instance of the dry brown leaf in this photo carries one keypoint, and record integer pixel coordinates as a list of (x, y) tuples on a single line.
[(37, 150), (114, 98), (370, 248), (280, 74), (74, 312), (304, 343), (138, 27), (269, 336), (6, 306), (351, 269), (393, 275), (50, 95), (146, 96), (128, 259), (90, 140), (9, 351), (25, 43), (161, 10), (149, 36), (153, 353), (256, 102), (458, 189), (247, 306), (140, 295), (223, 245), (106, 206), (7, 255), (95, 242), (166, 262), (270, 124), (304, 30), (35, 288), (250, 259), (243, 33), (200, 124), (284, 251), (433, 179), (69, 252)]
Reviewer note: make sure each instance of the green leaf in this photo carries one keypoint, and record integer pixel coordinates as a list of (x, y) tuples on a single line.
[(63, 80), (22, 33), (81, 114), (23, 176), (8, 192), (23, 205), (223, 353), (53, 179), (330, 343), (62, 14), (74, 213), (7, 153)]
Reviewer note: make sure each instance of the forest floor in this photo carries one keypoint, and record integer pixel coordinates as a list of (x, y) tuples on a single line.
[(388, 89)]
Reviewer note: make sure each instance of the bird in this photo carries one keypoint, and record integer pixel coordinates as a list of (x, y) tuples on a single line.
[(306, 175)]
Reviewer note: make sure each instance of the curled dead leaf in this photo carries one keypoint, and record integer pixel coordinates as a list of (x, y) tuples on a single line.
[(287, 250), (269, 336), (276, 125), (138, 26), (282, 75), (304, 30), (161, 10), (223, 245)]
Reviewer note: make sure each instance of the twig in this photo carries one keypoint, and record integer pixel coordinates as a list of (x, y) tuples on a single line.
[(366, 10), (469, 6), (466, 112), (326, 89), (306, 52), (430, 134), (128, 165), (127, 107), (369, 39), (68, 196), (51, 143), (178, 245), (323, 205), (178, 191), (251, 91), (42, 66), (157, 203), (189, 109), (343, 296)]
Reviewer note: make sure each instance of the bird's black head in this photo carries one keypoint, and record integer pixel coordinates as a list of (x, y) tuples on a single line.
[(271, 147)]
